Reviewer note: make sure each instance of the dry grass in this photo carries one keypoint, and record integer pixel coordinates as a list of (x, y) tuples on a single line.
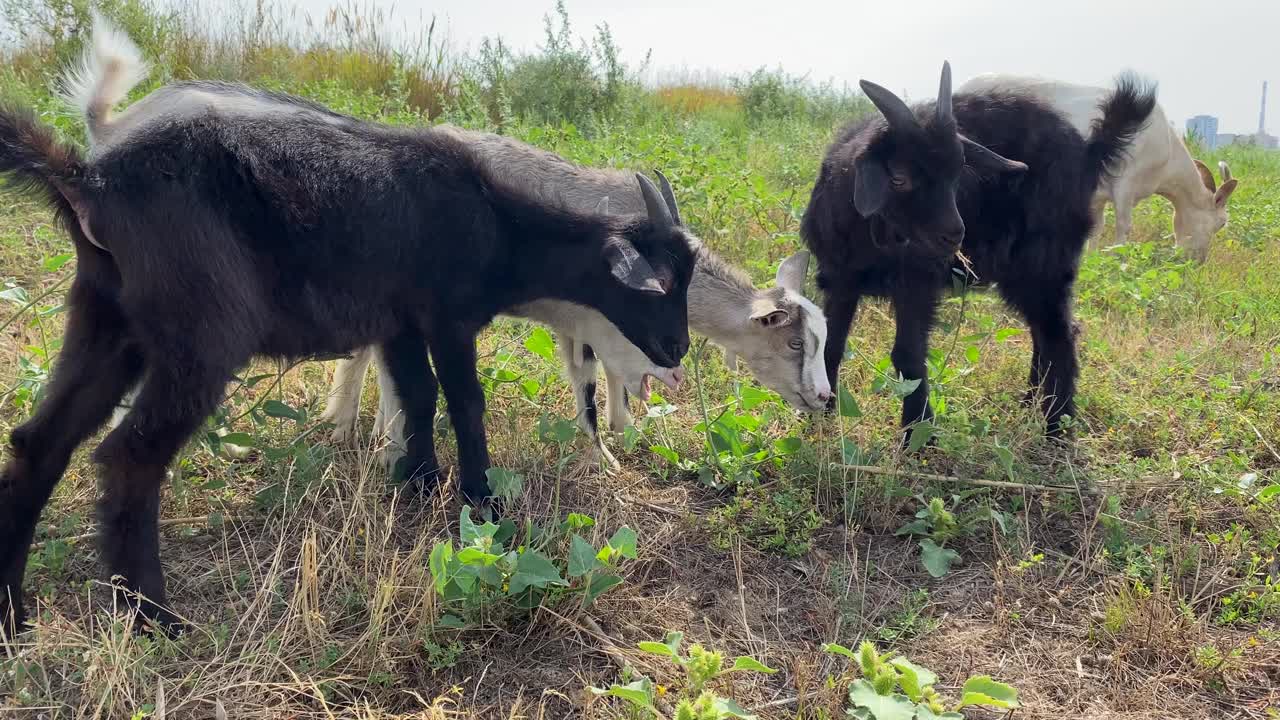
[(307, 584)]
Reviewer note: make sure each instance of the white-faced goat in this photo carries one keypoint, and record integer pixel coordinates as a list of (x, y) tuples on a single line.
[(214, 223), (1000, 178), (778, 333), (1157, 163)]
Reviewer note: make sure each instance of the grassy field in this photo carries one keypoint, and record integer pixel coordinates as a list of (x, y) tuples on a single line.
[(1131, 574)]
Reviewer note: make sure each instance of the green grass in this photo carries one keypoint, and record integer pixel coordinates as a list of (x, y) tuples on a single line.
[(308, 580)]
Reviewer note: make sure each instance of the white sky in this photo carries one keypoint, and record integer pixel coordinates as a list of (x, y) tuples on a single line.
[(1208, 56)]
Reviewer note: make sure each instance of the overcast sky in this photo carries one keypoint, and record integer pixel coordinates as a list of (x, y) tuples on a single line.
[(1208, 56)]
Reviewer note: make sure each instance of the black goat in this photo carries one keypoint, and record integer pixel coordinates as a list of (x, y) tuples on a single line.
[(999, 177), (214, 223)]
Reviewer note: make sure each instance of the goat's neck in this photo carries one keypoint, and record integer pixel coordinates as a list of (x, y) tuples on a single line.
[(1181, 184), (719, 303)]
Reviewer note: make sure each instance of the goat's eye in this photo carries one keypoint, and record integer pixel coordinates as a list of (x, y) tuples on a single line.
[(898, 181), (796, 344)]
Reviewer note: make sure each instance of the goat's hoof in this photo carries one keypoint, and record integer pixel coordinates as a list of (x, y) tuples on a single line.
[(161, 622), (600, 455), (488, 507), (12, 618)]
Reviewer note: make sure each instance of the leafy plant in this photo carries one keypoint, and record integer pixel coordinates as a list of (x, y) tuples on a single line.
[(489, 572), (694, 699), (894, 688)]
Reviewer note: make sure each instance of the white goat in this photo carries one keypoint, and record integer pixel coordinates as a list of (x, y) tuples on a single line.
[(779, 334), (1158, 163)]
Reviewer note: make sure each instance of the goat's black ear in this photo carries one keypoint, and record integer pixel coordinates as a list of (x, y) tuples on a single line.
[(870, 185), (630, 267), (988, 162)]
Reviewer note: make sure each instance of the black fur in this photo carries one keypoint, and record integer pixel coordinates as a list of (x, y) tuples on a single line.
[(1024, 228), (289, 235)]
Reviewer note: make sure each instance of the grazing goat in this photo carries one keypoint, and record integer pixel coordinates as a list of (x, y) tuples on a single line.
[(998, 177), (1157, 163), (214, 223), (778, 333)]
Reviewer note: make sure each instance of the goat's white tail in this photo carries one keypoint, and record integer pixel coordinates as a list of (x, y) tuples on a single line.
[(108, 69)]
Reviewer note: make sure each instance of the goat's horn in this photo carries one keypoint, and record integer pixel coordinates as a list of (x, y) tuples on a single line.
[(889, 105), (654, 204), (669, 196), (1226, 171), (945, 115)]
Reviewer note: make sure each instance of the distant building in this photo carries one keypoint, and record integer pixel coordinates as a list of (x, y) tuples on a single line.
[(1262, 140), (1205, 130), (1225, 139)]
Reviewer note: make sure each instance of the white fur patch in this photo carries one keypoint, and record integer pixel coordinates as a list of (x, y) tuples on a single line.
[(815, 367), (109, 68)]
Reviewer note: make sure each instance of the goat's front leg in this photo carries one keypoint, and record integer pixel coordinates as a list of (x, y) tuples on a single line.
[(343, 407), (174, 401), (1124, 215), (913, 307), (411, 382), (1054, 366), (97, 366), (453, 350), (581, 365), (840, 306)]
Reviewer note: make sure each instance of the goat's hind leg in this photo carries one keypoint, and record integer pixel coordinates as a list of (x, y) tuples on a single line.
[(404, 359), (581, 365), (174, 401), (343, 407), (97, 365)]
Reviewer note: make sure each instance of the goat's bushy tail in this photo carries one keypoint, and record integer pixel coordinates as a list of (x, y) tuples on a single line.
[(33, 159), (107, 70), (1125, 112)]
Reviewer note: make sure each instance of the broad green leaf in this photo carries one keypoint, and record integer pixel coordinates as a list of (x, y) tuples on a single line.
[(982, 690), (903, 387), (729, 708), (277, 409), (533, 569), (578, 521), (582, 557), (540, 343), (657, 648), (750, 663), (1006, 333), (787, 445), (1268, 492), (476, 556), (637, 693), (451, 621), (504, 483), (851, 454), (237, 438), (972, 354), (915, 527), (55, 263), (624, 542), (15, 295), (936, 559), (752, 396), (836, 649), (666, 453), (921, 433), (441, 555), (881, 707), (600, 584), (468, 533), (848, 406), (913, 678)]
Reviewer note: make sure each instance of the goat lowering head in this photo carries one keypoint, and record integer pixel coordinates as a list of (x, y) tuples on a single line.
[(908, 170), (784, 345), (652, 259), (1206, 213)]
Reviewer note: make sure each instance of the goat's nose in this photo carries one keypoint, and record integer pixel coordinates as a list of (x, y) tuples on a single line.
[(677, 349), (953, 236)]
